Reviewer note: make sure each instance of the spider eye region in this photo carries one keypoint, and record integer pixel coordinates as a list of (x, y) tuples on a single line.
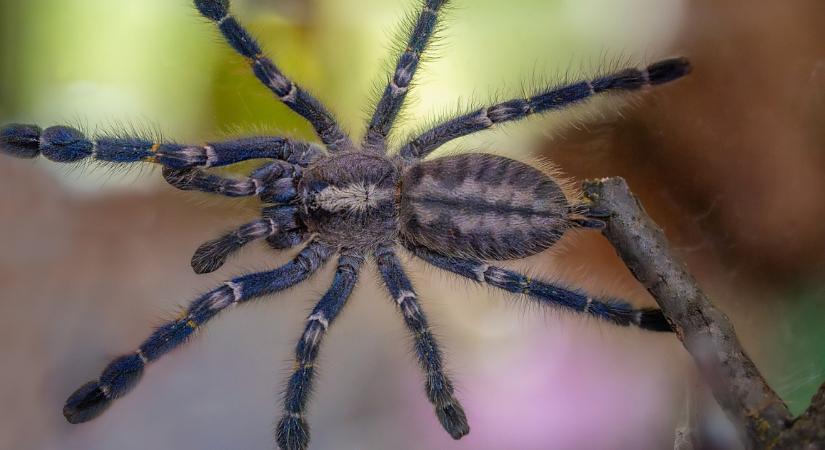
[(484, 206)]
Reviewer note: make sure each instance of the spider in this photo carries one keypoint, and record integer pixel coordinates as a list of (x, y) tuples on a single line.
[(356, 202)]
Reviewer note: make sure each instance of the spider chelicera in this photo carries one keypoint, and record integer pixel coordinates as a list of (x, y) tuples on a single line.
[(354, 202)]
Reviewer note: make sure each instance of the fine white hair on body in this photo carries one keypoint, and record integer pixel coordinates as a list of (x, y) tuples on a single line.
[(355, 197)]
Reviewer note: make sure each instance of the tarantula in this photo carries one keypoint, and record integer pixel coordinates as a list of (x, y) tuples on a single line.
[(457, 213)]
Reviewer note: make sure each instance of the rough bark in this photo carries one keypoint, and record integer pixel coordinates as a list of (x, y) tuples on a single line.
[(706, 332)]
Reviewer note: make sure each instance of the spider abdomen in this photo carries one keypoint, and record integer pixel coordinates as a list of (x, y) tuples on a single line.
[(484, 206)]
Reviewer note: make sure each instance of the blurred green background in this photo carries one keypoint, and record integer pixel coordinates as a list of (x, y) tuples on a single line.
[(729, 161)]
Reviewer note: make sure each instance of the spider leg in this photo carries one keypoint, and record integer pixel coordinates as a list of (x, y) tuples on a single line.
[(211, 255), (122, 374), (277, 181), (616, 311), (65, 144), (273, 182), (585, 215), (548, 100), (393, 97), (593, 224), (293, 430), (268, 73), (438, 386), (191, 179), (278, 223)]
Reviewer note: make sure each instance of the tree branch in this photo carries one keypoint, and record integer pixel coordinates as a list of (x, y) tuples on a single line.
[(706, 332)]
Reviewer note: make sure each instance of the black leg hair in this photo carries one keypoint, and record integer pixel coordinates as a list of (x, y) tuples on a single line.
[(122, 374), (586, 216), (273, 182), (615, 311), (277, 181), (268, 73), (293, 430), (278, 224), (392, 99), (211, 255), (199, 180), (65, 144), (548, 100), (438, 386)]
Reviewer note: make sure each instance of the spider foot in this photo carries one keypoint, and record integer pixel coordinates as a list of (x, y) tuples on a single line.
[(453, 419), (593, 224), (589, 216), (594, 212), (86, 403), (211, 255), (22, 141), (92, 399), (654, 319), (292, 432), (213, 9)]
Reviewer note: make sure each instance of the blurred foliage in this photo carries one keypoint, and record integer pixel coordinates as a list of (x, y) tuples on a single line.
[(95, 60), (800, 340), (154, 63)]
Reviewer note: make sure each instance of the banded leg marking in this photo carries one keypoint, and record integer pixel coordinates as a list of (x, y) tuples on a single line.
[(548, 100), (438, 386), (616, 311), (268, 73), (122, 374), (65, 144), (292, 430), (198, 180), (392, 99)]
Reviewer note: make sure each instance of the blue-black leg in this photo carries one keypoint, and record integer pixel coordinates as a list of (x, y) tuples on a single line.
[(586, 216), (211, 255), (292, 431), (277, 181), (65, 144), (545, 101), (268, 73), (278, 224), (122, 374), (20, 140), (261, 147), (437, 384), (616, 311), (198, 180), (392, 99), (274, 182)]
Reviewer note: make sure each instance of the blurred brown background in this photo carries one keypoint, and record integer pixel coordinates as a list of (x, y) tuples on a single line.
[(731, 162)]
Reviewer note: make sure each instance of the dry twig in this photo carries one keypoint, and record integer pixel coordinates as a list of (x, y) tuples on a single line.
[(704, 330)]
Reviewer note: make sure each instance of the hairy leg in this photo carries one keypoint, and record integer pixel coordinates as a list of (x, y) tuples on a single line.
[(292, 430), (273, 182), (615, 311), (278, 223), (393, 97), (268, 73), (438, 386), (65, 144), (122, 374), (198, 180), (548, 100)]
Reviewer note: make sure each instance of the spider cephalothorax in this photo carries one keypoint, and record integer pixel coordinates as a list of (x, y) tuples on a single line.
[(457, 213)]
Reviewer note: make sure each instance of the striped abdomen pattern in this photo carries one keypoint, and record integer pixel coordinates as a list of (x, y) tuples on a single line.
[(483, 206)]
